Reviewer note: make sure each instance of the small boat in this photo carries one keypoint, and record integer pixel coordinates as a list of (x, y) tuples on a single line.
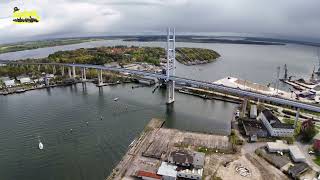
[(131, 144), (116, 99), (40, 145)]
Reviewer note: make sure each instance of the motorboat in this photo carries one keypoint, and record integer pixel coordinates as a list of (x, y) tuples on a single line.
[(116, 99), (40, 145)]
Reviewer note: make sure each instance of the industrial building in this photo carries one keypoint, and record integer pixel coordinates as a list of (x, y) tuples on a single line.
[(9, 83), (181, 158), (191, 174), (253, 112), (277, 146), (24, 79), (274, 126), (296, 154), (294, 151), (254, 128), (167, 171), (182, 164), (148, 175)]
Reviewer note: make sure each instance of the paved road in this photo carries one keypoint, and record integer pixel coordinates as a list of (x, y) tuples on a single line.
[(304, 149)]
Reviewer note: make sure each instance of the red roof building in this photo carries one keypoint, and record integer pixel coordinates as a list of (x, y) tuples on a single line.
[(148, 175)]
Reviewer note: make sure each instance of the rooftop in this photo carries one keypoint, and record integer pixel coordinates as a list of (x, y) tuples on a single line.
[(298, 169), (296, 152), (198, 159), (167, 169), (148, 174), (181, 157), (277, 146), (274, 121)]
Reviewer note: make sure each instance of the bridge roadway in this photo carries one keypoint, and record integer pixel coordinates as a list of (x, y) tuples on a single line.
[(217, 87)]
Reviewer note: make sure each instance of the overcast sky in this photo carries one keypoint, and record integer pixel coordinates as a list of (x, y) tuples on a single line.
[(59, 18)]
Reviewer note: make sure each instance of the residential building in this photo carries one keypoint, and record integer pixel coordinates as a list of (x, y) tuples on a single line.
[(274, 126)]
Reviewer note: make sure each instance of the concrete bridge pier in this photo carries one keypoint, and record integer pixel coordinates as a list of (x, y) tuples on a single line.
[(74, 71), (170, 91), (100, 79), (83, 74), (62, 70), (69, 72)]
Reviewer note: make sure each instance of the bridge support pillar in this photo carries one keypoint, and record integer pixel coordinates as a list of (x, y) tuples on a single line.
[(100, 79), (74, 71), (83, 74), (69, 72), (170, 91), (171, 67), (297, 118), (62, 70)]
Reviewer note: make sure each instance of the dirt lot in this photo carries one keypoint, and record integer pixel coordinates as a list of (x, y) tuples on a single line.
[(225, 167), (155, 143)]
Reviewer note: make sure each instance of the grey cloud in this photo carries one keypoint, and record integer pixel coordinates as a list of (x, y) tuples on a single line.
[(285, 18)]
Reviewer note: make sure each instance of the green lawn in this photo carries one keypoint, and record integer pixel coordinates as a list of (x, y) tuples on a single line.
[(317, 160)]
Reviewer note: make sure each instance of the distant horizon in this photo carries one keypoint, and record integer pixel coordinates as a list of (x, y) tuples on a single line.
[(221, 35)]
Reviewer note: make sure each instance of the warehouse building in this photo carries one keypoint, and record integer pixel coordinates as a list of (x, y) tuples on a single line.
[(274, 126)]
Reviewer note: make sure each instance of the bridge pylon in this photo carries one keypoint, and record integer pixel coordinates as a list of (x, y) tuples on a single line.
[(171, 65)]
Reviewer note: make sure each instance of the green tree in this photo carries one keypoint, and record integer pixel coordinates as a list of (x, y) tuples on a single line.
[(308, 133)]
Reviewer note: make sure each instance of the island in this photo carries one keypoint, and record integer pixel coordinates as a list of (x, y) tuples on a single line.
[(150, 59), (124, 55)]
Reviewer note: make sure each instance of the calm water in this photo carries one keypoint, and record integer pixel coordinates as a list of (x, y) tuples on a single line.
[(90, 152)]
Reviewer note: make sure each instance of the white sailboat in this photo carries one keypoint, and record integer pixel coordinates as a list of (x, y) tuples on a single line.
[(116, 99)]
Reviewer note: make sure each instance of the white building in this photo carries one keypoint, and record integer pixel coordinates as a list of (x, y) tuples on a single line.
[(191, 174), (296, 154), (253, 112), (9, 83), (277, 146), (24, 80), (274, 126), (167, 171)]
